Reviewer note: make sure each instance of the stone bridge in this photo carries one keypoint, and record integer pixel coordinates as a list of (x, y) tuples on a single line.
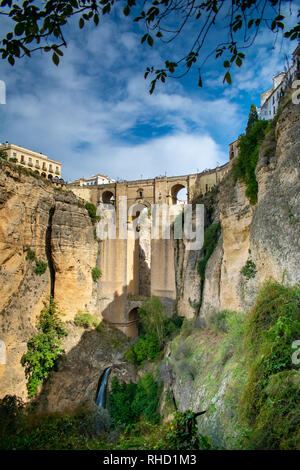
[(134, 269)]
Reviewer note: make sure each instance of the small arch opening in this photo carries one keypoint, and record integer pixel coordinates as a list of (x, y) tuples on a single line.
[(133, 323), (108, 197), (179, 194)]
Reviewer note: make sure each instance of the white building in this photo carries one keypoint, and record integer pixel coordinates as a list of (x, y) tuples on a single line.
[(269, 100), (94, 180), (37, 162)]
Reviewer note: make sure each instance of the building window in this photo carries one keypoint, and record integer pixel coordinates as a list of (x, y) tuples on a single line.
[(22, 159)]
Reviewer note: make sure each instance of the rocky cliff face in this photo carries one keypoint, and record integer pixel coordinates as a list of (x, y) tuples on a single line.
[(52, 223), (267, 234)]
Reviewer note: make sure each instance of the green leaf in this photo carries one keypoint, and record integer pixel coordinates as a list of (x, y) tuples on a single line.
[(150, 40), (239, 61), (55, 58), (96, 19), (19, 29), (227, 78), (126, 10), (200, 84), (81, 23), (11, 60), (226, 64)]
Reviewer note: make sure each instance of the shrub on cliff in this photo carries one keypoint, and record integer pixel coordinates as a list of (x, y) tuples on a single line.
[(244, 167), (86, 320), (270, 402), (96, 273), (92, 210), (44, 349), (211, 237), (40, 267)]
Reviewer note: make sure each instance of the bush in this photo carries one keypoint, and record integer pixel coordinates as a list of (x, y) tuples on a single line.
[(40, 267), (153, 318), (44, 349), (92, 210), (13, 160), (211, 237), (182, 433), (23, 431), (3, 155), (146, 348), (273, 325), (234, 326), (96, 273), (244, 167), (86, 320), (130, 402), (249, 270), (218, 321), (30, 255)]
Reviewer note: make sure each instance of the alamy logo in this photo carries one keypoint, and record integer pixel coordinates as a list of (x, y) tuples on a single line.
[(159, 221), (2, 352), (296, 94), (2, 92)]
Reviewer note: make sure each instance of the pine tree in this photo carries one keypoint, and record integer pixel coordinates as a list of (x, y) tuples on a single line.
[(253, 117)]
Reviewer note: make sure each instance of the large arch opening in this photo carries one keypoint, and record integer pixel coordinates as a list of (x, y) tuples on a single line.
[(108, 197), (179, 194)]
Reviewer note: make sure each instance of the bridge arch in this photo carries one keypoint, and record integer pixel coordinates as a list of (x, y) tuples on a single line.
[(108, 197), (176, 190)]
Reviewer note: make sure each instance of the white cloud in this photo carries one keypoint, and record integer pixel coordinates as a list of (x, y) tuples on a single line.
[(97, 100)]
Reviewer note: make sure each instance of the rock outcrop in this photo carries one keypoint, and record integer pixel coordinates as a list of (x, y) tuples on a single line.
[(55, 226)]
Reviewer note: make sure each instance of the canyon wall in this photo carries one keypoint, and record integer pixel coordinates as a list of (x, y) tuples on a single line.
[(57, 228), (267, 233)]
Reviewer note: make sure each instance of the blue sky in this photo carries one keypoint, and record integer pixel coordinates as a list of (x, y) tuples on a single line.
[(95, 115)]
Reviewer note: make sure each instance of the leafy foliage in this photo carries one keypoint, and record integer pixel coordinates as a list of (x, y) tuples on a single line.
[(40, 267), (3, 155), (30, 255), (252, 119), (249, 270), (270, 401), (244, 168), (86, 320), (44, 349), (96, 273), (92, 210), (183, 433), (147, 348), (211, 236), (43, 26), (130, 402)]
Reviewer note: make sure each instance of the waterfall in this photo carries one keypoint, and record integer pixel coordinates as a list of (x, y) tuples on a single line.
[(101, 395)]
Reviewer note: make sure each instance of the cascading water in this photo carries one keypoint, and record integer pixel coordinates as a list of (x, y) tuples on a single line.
[(101, 395)]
